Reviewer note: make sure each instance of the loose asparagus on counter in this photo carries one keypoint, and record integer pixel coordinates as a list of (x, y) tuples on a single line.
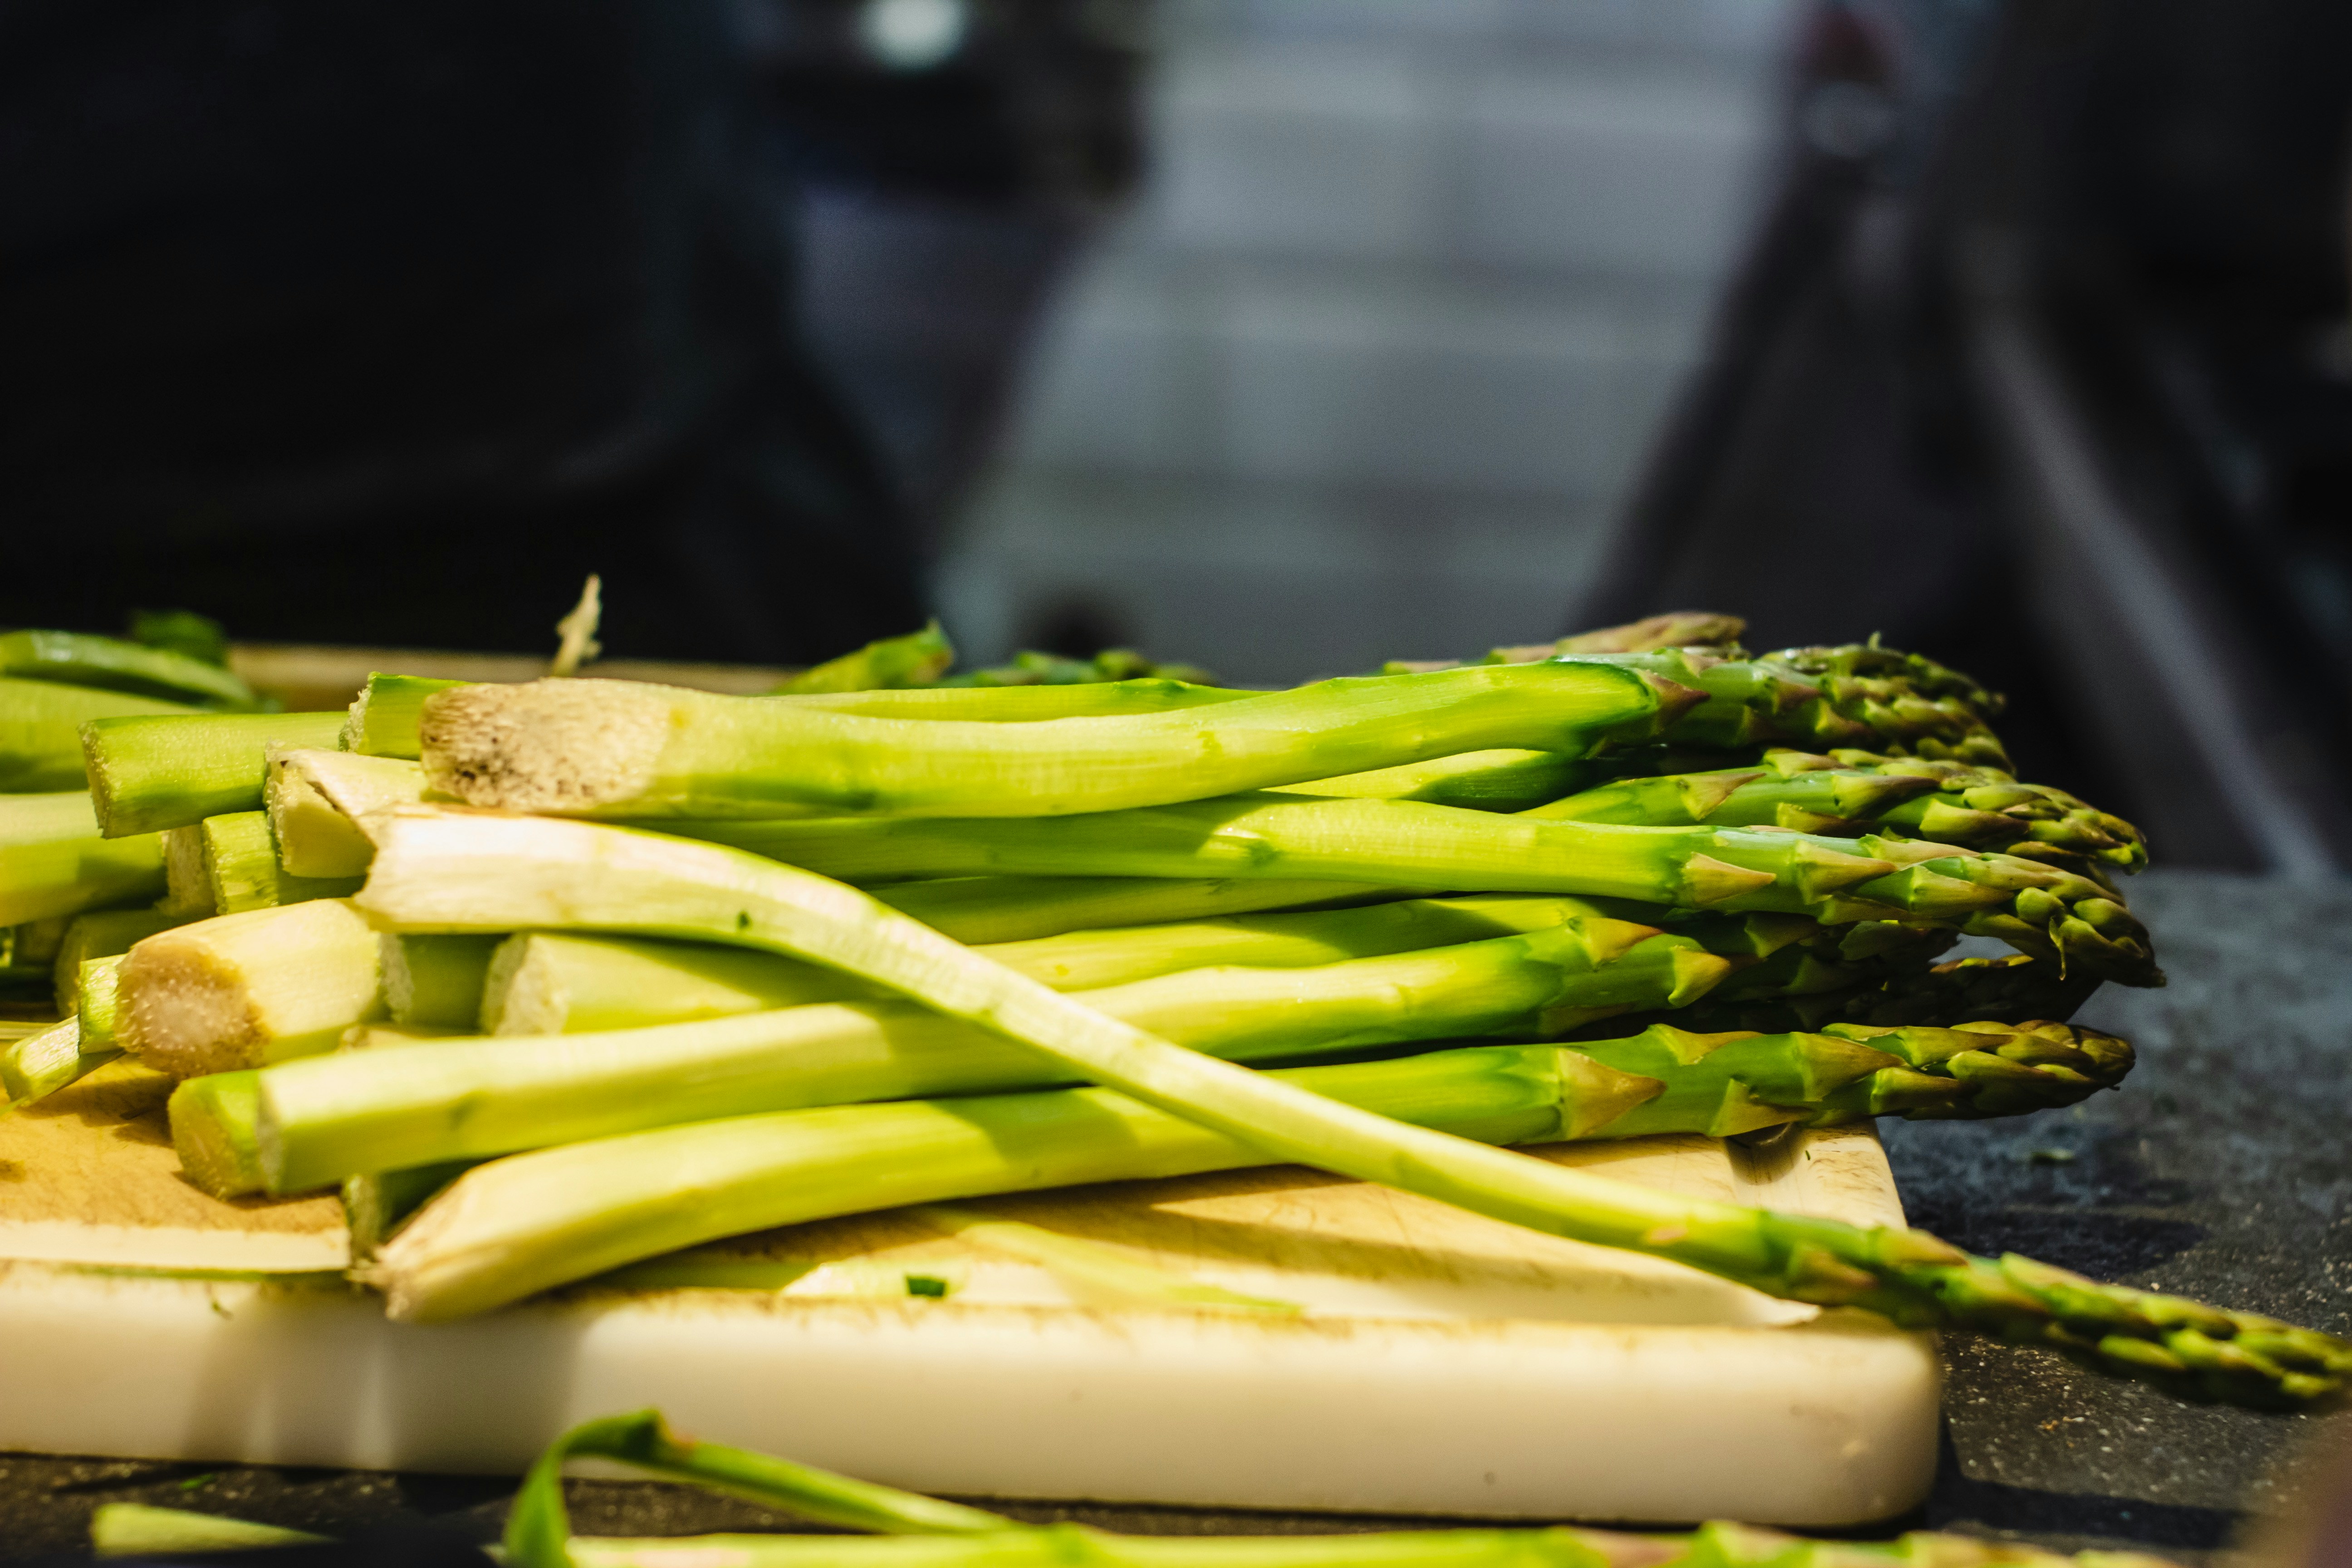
[(2039, 908), (440, 870), (53, 860), (111, 664), (623, 750), (147, 773), (40, 730), (237, 990), (384, 1109)]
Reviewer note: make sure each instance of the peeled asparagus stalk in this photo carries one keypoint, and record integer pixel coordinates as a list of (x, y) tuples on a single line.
[(239, 991)]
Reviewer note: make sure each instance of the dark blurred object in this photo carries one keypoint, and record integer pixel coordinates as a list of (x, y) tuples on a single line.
[(951, 156), (390, 323), (2041, 363)]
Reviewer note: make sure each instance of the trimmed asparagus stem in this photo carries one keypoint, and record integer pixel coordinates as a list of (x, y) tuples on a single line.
[(980, 910), (377, 1203), (107, 933), (435, 982), (239, 991), (382, 1110), (548, 983), (439, 870), (315, 798), (135, 1530), (150, 773), (76, 658), (2039, 908), (622, 750), (100, 1011), (917, 659), (382, 720), (212, 1131), (240, 857), (40, 730), (42, 1063), (187, 890), (1481, 780), (53, 862)]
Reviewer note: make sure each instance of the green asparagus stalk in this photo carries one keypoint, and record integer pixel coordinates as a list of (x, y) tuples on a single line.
[(213, 1130), (549, 983), (110, 664), (53, 861), (316, 797), (912, 1531), (42, 1063), (335, 1116), (173, 771), (237, 990), (100, 1012), (1482, 781), (2016, 989), (439, 870), (623, 750), (1988, 806), (986, 910), (2042, 909), (136, 1529), (241, 869), (1024, 704), (382, 719), (377, 1203), (435, 982), (40, 730), (108, 933), (916, 659)]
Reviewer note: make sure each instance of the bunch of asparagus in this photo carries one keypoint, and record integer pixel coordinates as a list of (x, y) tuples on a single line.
[(633, 968)]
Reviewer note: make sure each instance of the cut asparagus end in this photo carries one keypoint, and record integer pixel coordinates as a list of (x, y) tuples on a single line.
[(315, 798), (239, 991), (435, 982), (107, 933), (53, 863), (567, 745), (382, 719), (147, 773), (100, 1011), (212, 1131), (241, 866), (40, 1063), (187, 890)]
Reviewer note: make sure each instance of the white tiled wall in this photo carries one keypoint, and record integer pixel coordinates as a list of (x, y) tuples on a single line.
[(1404, 296)]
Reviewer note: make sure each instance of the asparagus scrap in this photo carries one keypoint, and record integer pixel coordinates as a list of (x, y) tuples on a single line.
[(2039, 908), (435, 982), (623, 750), (241, 869), (237, 990), (314, 798), (445, 871), (147, 773), (53, 860), (40, 730), (911, 1530)]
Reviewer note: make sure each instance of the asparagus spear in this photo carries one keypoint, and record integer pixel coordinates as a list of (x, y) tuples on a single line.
[(916, 659), (382, 719), (40, 730), (435, 982), (1483, 781), (44, 1062), (241, 869), (2039, 908), (382, 1109), (315, 798), (110, 664), (624, 750), (108, 933), (917, 1531), (439, 870), (1677, 628), (980, 910), (237, 990), (173, 772), (2013, 989), (212, 1120), (53, 861), (547, 982)]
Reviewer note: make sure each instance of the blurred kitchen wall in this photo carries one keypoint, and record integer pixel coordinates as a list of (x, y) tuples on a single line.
[(1384, 336)]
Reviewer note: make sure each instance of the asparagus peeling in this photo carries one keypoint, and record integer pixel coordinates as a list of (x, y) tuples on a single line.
[(447, 871)]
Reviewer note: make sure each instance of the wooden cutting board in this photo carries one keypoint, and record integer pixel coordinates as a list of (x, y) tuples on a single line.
[(1440, 1363)]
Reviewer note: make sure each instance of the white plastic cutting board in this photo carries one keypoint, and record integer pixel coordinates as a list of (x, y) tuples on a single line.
[(1443, 1363)]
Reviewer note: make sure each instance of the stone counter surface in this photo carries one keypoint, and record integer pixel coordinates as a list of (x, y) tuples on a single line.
[(2220, 1170)]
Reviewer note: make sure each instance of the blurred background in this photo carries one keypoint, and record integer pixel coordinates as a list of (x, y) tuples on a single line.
[(1280, 336)]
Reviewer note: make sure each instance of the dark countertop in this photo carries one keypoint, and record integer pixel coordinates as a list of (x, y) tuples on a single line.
[(2220, 1170)]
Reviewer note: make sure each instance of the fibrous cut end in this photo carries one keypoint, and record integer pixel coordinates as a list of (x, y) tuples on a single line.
[(185, 1012), (550, 745)]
